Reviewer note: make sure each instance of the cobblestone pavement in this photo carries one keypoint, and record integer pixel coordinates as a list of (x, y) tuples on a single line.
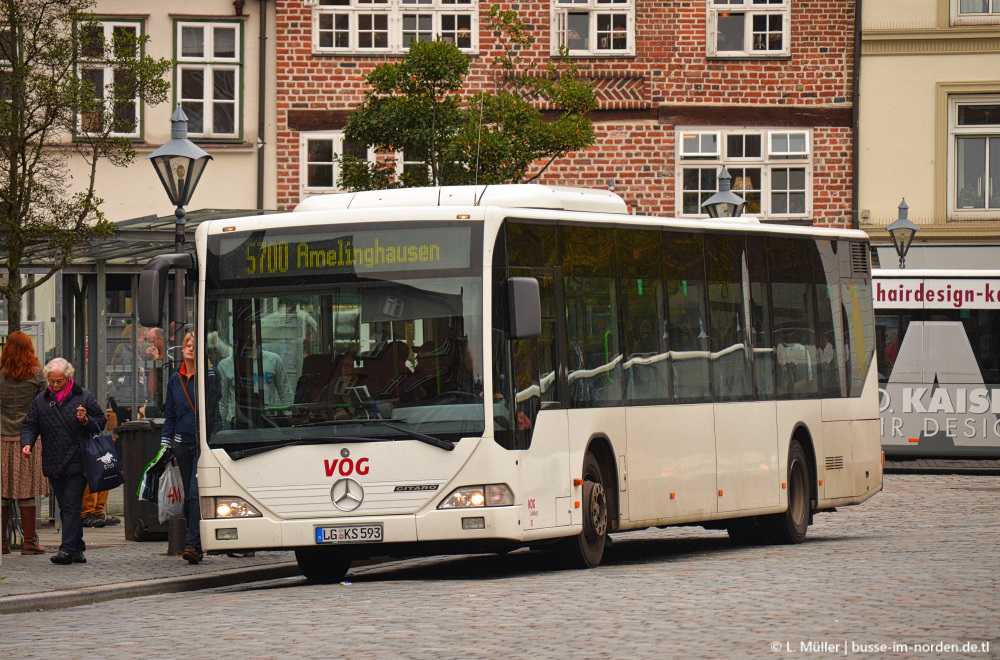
[(914, 566), (110, 560)]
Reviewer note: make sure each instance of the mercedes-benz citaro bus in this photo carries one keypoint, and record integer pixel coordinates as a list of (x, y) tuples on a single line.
[(937, 335), (476, 369)]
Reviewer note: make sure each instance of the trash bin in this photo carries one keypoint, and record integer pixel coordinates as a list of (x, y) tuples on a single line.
[(139, 440)]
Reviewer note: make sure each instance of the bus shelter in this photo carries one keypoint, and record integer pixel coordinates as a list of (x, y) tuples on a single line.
[(87, 314)]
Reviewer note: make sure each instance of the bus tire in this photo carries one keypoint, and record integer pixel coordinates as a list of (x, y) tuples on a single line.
[(586, 549), (790, 527), (322, 565)]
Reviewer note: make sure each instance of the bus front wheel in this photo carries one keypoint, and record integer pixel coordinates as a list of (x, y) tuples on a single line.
[(790, 527), (586, 549), (322, 565)]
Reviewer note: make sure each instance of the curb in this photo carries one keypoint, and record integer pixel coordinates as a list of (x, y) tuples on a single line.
[(917, 465), (932, 469), (54, 600)]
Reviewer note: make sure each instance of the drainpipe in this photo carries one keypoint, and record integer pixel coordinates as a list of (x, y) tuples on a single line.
[(261, 109), (855, 116)]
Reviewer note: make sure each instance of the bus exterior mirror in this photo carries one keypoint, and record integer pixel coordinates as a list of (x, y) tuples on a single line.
[(153, 286), (524, 307)]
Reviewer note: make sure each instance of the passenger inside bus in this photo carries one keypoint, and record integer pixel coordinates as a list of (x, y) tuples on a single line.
[(277, 392)]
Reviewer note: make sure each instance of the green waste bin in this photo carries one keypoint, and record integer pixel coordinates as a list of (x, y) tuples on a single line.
[(138, 442)]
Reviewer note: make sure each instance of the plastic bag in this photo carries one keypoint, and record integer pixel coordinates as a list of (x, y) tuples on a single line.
[(149, 485), (171, 494)]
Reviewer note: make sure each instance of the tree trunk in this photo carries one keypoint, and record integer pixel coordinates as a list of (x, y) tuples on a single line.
[(13, 295)]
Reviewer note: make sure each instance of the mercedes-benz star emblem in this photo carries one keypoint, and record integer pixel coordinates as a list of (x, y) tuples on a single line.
[(347, 494)]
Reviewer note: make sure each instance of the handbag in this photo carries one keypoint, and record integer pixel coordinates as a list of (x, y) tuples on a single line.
[(101, 464), (171, 493)]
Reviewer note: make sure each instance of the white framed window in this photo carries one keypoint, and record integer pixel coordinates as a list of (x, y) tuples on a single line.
[(770, 168), (319, 169), (700, 144), (748, 28), (594, 27), (388, 26), (975, 12), (97, 42), (791, 143), (974, 155), (209, 66)]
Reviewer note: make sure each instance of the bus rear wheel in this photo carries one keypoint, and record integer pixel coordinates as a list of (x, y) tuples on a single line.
[(791, 526), (586, 549), (322, 565)]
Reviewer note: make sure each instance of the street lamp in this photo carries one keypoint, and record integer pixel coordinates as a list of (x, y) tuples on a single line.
[(724, 204), (902, 232), (179, 163)]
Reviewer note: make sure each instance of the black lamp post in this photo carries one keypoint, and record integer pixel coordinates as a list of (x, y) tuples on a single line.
[(902, 232), (179, 163), (725, 203)]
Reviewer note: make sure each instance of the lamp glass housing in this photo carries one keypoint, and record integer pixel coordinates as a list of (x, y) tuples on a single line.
[(179, 175), (902, 232)]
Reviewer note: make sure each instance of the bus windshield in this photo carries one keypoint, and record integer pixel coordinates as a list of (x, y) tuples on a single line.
[(305, 356)]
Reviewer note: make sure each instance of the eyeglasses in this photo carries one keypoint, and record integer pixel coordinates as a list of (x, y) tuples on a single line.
[(57, 381)]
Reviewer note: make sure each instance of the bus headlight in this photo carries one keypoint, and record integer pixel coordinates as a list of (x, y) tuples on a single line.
[(227, 507), (478, 496)]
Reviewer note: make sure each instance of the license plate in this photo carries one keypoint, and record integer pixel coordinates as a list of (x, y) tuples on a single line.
[(350, 534)]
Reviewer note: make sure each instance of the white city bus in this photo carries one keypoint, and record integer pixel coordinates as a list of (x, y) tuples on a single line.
[(479, 369), (938, 347)]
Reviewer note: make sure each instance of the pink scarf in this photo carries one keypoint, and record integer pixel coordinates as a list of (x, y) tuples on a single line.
[(64, 393)]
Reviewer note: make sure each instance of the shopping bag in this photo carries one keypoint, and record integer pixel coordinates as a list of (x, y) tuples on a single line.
[(149, 485), (171, 493), (101, 464)]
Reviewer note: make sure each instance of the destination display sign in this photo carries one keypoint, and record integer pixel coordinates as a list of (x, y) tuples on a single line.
[(936, 293), (323, 251)]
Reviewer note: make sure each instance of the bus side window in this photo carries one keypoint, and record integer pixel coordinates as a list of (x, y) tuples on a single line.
[(826, 267), (687, 320), (641, 305), (760, 319), (728, 294), (592, 334)]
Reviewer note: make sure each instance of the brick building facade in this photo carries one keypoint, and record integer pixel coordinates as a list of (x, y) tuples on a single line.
[(763, 87)]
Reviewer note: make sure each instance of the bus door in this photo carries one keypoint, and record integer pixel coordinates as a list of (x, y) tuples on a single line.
[(527, 412), (745, 418)]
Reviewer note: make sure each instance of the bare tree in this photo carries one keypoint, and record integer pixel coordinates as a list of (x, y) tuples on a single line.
[(70, 87)]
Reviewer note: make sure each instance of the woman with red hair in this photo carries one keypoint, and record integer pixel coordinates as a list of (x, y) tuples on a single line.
[(21, 380)]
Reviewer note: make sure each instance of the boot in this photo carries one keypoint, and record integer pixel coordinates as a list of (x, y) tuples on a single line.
[(6, 524), (30, 545)]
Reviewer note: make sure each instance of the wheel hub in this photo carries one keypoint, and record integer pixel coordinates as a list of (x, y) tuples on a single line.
[(597, 511)]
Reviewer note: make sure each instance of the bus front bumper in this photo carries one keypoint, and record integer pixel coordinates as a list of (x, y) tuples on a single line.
[(458, 525)]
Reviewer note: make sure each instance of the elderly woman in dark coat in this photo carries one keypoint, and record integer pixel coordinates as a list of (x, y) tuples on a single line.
[(62, 462)]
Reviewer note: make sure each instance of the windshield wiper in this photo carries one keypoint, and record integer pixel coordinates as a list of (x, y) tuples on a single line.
[(447, 445), (253, 451), (348, 422)]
